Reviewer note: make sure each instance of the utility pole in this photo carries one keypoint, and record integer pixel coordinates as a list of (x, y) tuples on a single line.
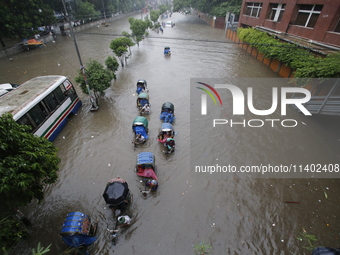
[(104, 10), (93, 100)]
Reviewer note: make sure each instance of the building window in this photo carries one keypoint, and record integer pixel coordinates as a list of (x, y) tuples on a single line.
[(308, 15), (337, 27), (253, 9), (276, 12)]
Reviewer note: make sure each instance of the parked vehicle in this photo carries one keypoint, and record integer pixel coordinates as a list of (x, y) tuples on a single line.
[(44, 103), (32, 43), (77, 230), (169, 23), (7, 87), (167, 112), (140, 129)]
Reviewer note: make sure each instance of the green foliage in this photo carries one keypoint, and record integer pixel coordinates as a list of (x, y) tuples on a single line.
[(304, 63), (218, 8), (202, 248), (112, 65), (148, 23), (27, 164), (120, 46), (310, 239), (164, 7), (138, 28), (86, 9), (99, 78), (11, 232), (40, 250), (19, 17), (233, 6), (154, 15)]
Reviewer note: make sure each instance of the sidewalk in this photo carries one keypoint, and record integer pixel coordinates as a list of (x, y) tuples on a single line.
[(14, 47)]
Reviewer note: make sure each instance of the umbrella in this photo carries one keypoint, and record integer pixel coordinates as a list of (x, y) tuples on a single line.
[(115, 193)]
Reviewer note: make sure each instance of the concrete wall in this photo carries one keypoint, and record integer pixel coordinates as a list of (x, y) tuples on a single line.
[(273, 64)]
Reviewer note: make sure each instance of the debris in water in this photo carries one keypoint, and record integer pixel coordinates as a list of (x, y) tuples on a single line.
[(292, 202), (324, 192)]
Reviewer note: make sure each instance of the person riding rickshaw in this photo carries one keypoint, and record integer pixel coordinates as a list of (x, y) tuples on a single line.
[(169, 145), (167, 51), (166, 137), (141, 86), (167, 112), (140, 129), (142, 101), (145, 166), (78, 230), (165, 131), (117, 194)]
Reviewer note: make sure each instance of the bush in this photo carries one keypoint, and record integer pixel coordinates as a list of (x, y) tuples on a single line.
[(304, 63)]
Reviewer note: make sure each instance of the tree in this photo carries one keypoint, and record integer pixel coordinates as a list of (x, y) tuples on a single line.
[(138, 28), (232, 6), (120, 46), (86, 9), (163, 8), (212, 7), (154, 15), (98, 77), (27, 164), (112, 65), (20, 19)]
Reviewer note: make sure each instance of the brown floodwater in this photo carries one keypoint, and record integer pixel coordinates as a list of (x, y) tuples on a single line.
[(235, 215)]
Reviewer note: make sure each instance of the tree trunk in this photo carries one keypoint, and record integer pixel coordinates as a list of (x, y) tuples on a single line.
[(122, 60)]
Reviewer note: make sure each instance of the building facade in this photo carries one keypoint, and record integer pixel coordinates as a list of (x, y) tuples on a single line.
[(317, 21)]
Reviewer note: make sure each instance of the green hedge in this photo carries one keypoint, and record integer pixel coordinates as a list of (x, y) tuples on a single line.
[(304, 63)]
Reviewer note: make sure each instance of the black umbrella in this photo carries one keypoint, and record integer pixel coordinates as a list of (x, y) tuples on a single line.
[(115, 193)]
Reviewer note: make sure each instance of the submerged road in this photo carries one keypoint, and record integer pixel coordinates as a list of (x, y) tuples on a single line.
[(234, 215)]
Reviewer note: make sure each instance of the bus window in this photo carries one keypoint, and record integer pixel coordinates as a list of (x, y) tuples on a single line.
[(25, 120), (70, 90), (37, 114), (59, 94), (72, 93), (51, 102)]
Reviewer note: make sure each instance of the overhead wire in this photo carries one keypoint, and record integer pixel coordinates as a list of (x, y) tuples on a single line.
[(210, 41)]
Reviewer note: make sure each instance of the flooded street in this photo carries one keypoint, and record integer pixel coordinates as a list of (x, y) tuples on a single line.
[(234, 215)]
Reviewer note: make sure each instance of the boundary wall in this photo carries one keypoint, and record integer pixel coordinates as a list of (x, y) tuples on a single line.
[(275, 65)]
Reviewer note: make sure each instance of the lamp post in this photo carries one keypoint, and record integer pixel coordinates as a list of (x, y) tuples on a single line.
[(214, 21), (94, 105)]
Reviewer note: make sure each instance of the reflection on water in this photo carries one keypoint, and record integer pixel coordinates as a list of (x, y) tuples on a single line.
[(235, 215)]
